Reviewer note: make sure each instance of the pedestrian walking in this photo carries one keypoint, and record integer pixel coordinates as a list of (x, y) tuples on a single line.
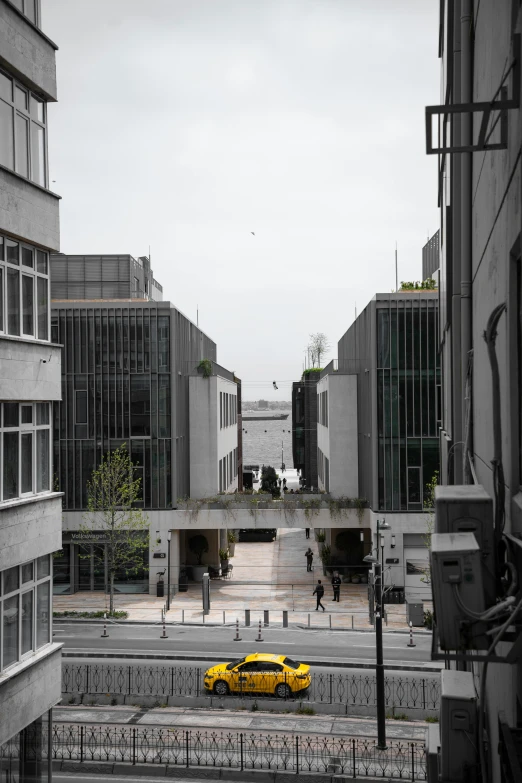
[(307, 530), (319, 592), (309, 559), (336, 584)]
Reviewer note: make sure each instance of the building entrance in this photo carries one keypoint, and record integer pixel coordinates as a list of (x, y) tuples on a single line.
[(83, 567)]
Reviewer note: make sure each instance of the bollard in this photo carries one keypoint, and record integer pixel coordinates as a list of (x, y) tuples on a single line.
[(266, 618), (259, 637), (164, 634), (224, 617), (182, 617), (104, 634), (352, 622), (330, 619), (285, 618), (411, 643), (309, 619), (247, 618), (237, 637)]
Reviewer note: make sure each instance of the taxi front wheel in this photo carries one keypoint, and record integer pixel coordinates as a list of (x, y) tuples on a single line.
[(283, 691), (221, 688)]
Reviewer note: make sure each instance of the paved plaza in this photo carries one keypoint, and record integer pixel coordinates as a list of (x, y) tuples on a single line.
[(266, 576)]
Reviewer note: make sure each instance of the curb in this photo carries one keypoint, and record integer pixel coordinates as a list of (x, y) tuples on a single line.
[(345, 664), (175, 624)]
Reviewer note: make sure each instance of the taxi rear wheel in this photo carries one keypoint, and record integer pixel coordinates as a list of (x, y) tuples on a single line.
[(283, 691), (221, 688)]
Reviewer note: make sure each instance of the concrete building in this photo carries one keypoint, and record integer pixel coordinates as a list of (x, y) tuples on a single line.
[(30, 511), (304, 427), (130, 375), (378, 426), (480, 337)]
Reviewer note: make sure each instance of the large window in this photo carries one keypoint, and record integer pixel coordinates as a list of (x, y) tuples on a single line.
[(22, 130), (24, 289), (25, 449), (25, 610)]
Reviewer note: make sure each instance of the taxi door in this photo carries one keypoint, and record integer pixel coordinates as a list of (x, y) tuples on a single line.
[(243, 679)]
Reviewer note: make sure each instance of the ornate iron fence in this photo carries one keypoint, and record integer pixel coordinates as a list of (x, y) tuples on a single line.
[(357, 757), (421, 693)]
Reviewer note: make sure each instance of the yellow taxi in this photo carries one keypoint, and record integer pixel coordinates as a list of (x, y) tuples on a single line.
[(259, 673)]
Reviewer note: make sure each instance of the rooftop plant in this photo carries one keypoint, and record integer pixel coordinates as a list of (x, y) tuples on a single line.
[(429, 284), (205, 366)]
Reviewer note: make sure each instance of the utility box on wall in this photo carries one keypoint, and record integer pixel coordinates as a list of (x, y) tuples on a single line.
[(458, 594), (469, 509), (458, 727)]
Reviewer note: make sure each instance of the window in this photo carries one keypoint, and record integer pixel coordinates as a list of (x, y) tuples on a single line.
[(22, 128), (24, 283), (25, 452), (25, 610)]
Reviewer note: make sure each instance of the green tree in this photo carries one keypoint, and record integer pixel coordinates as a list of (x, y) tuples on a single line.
[(113, 494), (429, 508), (269, 481)]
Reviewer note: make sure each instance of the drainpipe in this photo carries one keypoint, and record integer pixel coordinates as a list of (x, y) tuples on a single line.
[(466, 38), (456, 364)]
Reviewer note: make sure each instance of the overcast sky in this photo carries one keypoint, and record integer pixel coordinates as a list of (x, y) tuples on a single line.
[(184, 125)]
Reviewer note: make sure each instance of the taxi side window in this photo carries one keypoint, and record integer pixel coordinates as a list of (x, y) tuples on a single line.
[(271, 667), (251, 666)]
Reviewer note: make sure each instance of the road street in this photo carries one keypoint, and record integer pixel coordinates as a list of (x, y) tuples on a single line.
[(216, 643)]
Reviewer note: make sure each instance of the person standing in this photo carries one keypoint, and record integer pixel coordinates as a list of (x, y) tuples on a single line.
[(307, 529), (309, 559), (319, 592), (336, 584)]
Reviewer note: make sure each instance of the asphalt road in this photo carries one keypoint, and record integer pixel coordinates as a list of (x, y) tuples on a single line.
[(213, 643)]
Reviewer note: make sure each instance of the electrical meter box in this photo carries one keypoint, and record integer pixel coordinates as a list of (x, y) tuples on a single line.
[(469, 509), (456, 577), (458, 727)]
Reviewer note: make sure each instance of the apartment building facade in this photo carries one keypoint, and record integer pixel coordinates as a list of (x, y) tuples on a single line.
[(304, 428), (130, 375), (30, 511), (475, 134)]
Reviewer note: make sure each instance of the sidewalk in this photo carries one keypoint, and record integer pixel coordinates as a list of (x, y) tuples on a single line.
[(266, 576)]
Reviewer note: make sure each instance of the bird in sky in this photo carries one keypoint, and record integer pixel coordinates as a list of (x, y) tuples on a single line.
[(274, 384), (252, 233)]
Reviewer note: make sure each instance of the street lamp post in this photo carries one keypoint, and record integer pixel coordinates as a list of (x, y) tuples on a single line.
[(168, 570), (379, 658)]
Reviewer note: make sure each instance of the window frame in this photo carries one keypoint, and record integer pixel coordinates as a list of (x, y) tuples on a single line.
[(32, 119), (30, 586), (23, 429), (10, 266)]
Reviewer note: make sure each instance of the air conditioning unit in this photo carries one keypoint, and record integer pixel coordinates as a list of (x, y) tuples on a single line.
[(433, 753), (469, 509), (458, 728), (458, 593)]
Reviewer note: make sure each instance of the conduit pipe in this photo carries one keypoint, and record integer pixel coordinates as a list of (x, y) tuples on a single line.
[(466, 131)]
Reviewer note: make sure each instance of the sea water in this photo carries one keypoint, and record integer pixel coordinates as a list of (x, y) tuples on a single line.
[(262, 440)]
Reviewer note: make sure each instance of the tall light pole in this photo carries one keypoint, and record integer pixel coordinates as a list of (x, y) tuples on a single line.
[(168, 570), (379, 658)]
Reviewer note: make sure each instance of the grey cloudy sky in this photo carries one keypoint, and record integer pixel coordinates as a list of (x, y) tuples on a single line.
[(187, 124)]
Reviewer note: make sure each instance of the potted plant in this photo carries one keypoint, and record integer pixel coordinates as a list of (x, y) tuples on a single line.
[(320, 536), (223, 557), (198, 545), (232, 539), (364, 578), (356, 579), (325, 555)]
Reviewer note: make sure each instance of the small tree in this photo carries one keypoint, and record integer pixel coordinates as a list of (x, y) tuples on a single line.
[(269, 481), (429, 507), (112, 497), (318, 346), (198, 545)]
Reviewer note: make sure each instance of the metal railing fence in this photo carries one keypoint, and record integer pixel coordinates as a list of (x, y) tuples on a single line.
[(356, 756), (421, 693)]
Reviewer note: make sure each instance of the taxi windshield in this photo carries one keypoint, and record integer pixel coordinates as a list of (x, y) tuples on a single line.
[(233, 664), (292, 664)]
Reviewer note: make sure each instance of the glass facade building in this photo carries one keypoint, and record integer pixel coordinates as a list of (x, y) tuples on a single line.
[(116, 388), (408, 385), (392, 348)]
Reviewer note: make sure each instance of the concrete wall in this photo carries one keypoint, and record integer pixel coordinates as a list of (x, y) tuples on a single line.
[(208, 443), (401, 525), (27, 52), (28, 211), (29, 528), (338, 441), (29, 370), (29, 689)]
